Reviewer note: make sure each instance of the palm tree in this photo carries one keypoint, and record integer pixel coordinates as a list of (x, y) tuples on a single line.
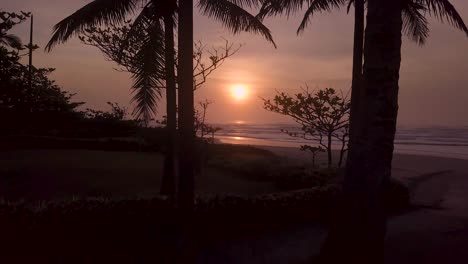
[(358, 231), (187, 154), (370, 159), (152, 14), (358, 235), (104, 12), (415, 26), (233, 16), (168, 180)]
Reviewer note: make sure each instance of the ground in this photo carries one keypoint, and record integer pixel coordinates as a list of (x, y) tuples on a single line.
[(61, 174), (436, 232)]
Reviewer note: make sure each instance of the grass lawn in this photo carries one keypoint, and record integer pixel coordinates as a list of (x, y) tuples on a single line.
[(63, 174)]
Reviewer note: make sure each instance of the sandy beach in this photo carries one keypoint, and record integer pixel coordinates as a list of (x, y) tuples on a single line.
[(434, 181), (437, 232)]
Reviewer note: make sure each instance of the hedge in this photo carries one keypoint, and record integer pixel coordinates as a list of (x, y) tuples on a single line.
[(142, 231)]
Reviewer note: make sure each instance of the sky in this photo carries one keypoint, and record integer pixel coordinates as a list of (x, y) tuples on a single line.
[(433, 78)]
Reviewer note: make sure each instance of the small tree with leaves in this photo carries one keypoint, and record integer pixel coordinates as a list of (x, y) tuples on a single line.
[(313, 151), (323, 116), (202, 128)]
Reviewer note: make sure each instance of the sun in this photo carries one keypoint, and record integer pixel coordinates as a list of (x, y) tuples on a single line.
[(239, 92)]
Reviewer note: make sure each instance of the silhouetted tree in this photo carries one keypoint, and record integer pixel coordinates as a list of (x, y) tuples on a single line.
[(117, 46), (415, 26), (206, 135), (168, 185), (313, 151), (323, 116), (358, 235), (202, 128), (21, 104), (7, 21), (150, 53), (106, 12), (359, 231), (117, 113), (233, 16)]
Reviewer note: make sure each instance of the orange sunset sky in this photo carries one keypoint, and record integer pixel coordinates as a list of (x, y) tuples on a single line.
[(433, 82)]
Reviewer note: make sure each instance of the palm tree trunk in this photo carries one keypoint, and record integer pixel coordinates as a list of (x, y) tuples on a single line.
[(186, 193), (169, 176), (356, 89), (358, 230), (186, 107)]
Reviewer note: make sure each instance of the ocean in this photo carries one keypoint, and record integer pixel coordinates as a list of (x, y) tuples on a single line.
[(450, 142)]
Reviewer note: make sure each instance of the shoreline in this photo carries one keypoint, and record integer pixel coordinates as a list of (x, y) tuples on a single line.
[(441, 151)]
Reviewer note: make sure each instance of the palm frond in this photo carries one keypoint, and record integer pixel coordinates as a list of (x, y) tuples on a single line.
[(152, 11), (280, 7), (94, 14), (350, 3), (246, 3), (318, 6), (138, 26), (444, 11), (415, 24), (234, 17), (148, 78)]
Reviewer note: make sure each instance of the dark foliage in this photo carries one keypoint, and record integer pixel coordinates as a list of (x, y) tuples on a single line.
[(7, 21), (44, 109), (129, 231), (140, 231), (323, 116), (302, 178), (24, 107)]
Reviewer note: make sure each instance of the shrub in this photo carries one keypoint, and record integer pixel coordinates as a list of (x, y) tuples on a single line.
[(140, 231), (117, 231), (294, 178)]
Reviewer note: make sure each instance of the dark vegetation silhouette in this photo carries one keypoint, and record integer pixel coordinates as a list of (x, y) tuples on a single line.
[(7, 21), (35, 114), (206, 131), (173, 230), (323, 116), (235, 18), (415, 26), (26, 107), (32, 105), (357, 180), (116, 44), (231, 14)]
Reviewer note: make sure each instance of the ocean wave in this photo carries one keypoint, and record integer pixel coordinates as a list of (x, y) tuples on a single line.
[(440, 141)]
